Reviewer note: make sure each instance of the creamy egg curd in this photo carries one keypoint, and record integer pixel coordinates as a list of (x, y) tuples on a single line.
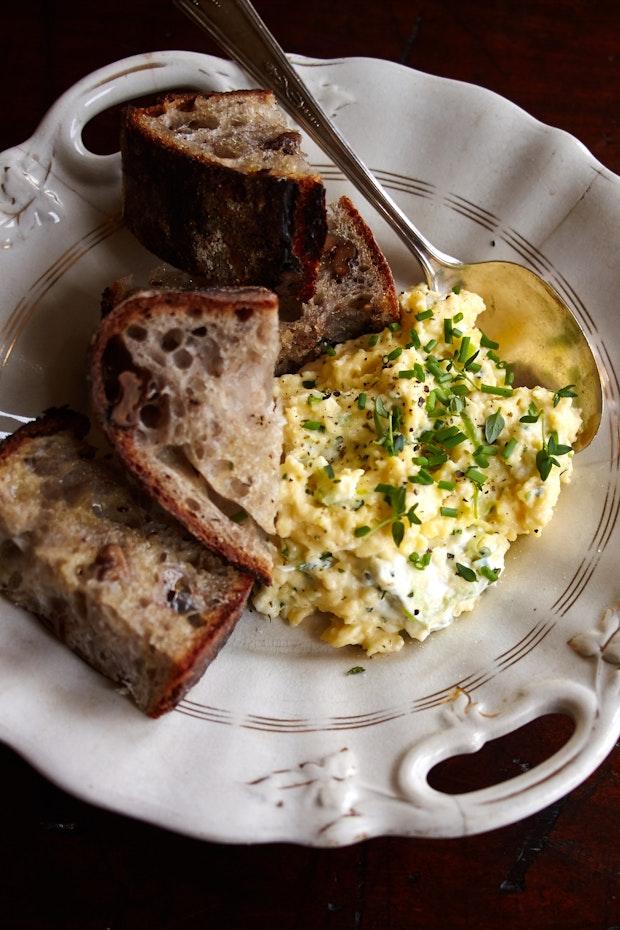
[(410, 464)]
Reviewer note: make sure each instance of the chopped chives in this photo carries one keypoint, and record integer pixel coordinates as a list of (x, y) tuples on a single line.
[(460, 389), (420, 460), (329, 350), (470, 429), (509, 448), (500, 391), (456, 289), (314, 399), (457, 332), (464, 349), (414, 339), (361, 400), (419, 372), (314, 425), (487, 343), (447, 329), (447, 485), (474, 367), (329, 471), (424, 315), (476, 476), (509, 377), (466, 573), (373, 340), (455, 440), (422, 477), (394, 354), (449, 511), (457, 318), (430, 345), (434, 367), (491, 574), (408, 375), (394, 327)]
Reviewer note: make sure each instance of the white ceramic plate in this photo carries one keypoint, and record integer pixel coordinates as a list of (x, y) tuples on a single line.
[(277, 742)]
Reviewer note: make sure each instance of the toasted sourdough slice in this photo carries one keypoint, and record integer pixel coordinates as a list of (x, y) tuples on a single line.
[(354, 292), (217, 185), (115, 578), (183, 385)]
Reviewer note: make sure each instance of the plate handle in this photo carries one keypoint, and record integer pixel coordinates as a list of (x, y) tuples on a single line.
[(469, 725), (59, 136)]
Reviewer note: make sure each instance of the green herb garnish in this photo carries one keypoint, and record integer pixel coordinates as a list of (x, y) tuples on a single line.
[(423, 315), (361, 400), (449, 511), (493, 426), (492, 389), (491, 574), (487, 343), (531, 416), (314, 425), (356, 670), (464, 572), (361, 531), (564, 392), (420, 561), (446, 485), (509, 448)]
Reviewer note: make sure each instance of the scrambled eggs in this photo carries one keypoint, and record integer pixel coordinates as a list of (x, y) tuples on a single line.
[(410, 464)]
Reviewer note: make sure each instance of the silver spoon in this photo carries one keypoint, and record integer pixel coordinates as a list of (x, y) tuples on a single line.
[(537, 332)]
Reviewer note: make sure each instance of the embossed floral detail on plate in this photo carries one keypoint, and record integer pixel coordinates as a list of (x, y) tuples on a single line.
[(603, 642), (328, 783), (26, 199)]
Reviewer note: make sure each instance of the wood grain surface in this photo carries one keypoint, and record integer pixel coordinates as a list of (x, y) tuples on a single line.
[(65, 865)]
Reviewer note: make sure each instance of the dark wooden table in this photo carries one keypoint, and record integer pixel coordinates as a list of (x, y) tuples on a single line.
[(67, 866)]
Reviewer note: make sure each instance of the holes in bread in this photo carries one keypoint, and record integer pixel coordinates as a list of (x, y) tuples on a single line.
[(137, 333), (243, 314), (156, 414), (286, 142), (211, 357), (180, 600), (196, 620), (172, 340), (183, 359), (338, 255), (361, 302), (200, 331)]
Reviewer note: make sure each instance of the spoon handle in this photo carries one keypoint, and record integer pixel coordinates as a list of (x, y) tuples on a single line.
[(237, 27)]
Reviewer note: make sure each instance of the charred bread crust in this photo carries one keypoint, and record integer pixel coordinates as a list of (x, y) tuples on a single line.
[(224, 539), (187, 672), (53, 420), (169, 677), (329, 321), (232, 227)]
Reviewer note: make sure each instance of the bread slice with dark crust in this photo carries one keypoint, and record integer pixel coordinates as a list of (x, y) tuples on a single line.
[(118, 581), (217, 185), (354, 293), (182, 383)]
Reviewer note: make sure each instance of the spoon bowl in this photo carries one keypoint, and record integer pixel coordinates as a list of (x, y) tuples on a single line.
[(538, 334)]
